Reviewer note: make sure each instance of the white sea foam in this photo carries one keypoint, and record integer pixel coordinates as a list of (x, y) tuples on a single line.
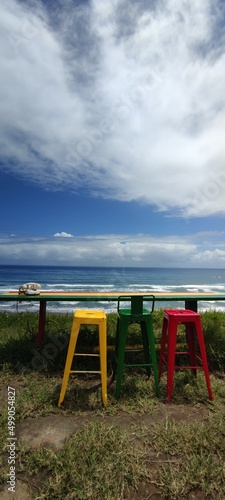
[(59, 279), (79, 285)]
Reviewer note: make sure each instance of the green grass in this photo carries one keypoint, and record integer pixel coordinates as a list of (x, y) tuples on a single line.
[(214, 332), (198, 449), (98, 462), (138, 440)]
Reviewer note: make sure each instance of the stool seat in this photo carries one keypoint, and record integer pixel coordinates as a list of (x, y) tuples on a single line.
[(134, 314), (87, 317), (172, 318), (181, 313)]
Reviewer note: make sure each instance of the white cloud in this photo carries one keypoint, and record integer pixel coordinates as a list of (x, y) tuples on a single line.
[(197, 250), (63, 235), (209, 256), (124, 99)]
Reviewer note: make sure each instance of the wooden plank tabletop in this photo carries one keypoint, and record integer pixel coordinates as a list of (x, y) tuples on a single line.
[(93, 295)]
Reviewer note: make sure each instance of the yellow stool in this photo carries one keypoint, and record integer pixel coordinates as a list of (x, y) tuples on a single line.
[(85, 317)]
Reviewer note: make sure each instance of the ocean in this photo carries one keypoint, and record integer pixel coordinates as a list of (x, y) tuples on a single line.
[(110, 279)]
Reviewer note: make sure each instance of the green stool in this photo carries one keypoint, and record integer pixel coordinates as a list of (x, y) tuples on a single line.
[(136, 314)]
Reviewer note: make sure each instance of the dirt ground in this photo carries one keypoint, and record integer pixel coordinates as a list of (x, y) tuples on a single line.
[(52, 430)]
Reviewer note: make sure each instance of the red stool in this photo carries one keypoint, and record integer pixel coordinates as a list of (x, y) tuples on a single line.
[(192, 321)]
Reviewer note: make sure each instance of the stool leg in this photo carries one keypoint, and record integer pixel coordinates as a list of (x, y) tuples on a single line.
[(122, 337), (172, 337), (103, 360), (69, 359), (190, 337), (203, 356), (115, 352), (146, 346), (151, 341), (163, 344)]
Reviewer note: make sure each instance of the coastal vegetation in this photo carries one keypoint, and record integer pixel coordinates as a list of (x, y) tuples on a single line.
[(139, 446)]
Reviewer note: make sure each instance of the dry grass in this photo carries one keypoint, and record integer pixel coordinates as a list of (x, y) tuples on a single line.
[(136, 447)]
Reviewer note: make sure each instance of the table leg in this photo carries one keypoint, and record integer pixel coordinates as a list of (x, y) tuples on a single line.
[(41, 324), (191, 304)]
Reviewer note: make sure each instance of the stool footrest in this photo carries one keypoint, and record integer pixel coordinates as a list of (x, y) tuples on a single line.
[(87, 354), (138, 364), (165, 361), (85, 371), (188, 367)]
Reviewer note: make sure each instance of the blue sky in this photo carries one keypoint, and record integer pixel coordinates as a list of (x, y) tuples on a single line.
[(112, 133)]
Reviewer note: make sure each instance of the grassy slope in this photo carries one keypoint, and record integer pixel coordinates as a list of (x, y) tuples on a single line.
[(174, 458)]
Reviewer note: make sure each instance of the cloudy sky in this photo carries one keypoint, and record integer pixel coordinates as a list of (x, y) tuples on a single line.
[(112, 147)]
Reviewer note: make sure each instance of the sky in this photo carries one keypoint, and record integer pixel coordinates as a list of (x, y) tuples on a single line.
[(112, 149)]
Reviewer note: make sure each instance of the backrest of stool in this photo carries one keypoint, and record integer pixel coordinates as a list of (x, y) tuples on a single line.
[(136, 302)]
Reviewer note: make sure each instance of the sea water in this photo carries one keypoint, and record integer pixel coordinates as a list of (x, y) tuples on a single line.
[(110, 279)]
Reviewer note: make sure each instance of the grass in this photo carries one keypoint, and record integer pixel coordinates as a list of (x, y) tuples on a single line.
[(98, 462), (136, 447), (198, 449)]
